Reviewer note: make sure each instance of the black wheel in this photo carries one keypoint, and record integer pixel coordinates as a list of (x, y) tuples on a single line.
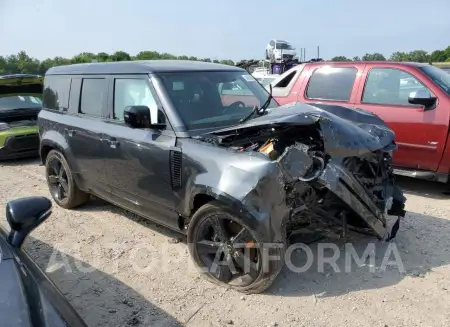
[(61, 183), (228, 253)]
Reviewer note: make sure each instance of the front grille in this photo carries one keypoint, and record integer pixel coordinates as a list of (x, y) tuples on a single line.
[(288, 57), (23, 142)]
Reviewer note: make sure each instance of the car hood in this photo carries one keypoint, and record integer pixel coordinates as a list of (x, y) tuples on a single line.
[(345, 132), (21, 84), (24, 85)]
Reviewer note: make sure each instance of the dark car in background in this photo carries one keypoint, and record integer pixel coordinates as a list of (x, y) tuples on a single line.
[(20, 103), (27, 296), (203, 149)]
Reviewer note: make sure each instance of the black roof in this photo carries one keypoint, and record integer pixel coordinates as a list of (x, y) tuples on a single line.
[(140, 67)]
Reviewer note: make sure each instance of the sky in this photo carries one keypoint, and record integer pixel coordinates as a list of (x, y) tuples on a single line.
[(229, 29)]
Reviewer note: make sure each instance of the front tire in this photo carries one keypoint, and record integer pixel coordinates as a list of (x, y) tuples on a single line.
[(228, 253), (61, 184)]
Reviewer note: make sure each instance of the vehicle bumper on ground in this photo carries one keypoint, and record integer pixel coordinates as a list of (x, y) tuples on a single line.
[(19, 143)]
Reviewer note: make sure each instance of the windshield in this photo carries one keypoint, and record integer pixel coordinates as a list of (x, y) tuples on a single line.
[(214, 99), (284, 46), (440, 77), (19, 102)]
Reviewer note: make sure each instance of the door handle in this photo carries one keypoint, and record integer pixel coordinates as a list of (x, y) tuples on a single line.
[(69, 132)]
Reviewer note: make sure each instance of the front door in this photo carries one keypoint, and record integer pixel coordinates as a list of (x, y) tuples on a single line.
[(137, 160), (420, 135)]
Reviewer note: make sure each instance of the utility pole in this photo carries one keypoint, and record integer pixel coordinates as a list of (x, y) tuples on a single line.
[(318, 52)]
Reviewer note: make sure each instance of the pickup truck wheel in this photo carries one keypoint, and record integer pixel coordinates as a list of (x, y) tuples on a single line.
[(228, 253), (60, 182)]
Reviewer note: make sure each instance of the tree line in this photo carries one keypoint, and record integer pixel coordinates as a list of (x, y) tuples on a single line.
[(414, 56), (22, 63)]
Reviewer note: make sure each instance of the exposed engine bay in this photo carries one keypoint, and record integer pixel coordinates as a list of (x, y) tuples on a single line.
[(337, 169)]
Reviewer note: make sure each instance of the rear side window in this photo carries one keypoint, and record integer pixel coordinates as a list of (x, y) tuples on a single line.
[(93, 96), (56, 92), (331, 83)]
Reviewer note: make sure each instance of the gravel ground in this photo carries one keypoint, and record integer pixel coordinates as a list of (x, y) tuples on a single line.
[(117, 269)]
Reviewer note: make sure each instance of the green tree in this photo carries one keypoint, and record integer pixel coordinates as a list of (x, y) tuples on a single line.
[(340, 58), (120, 56), (102, 57), (147, 55), (438, 56), (356, 58), (400, 56), (227, 62), (373, 57), (83, 57), (419, 56)]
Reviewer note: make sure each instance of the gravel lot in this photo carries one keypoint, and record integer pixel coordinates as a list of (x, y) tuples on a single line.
[(118, 269)]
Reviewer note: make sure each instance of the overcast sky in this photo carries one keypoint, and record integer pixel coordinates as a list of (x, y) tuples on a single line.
[(229, 29)]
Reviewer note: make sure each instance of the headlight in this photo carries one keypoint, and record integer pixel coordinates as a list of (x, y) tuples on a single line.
[(4, 126)]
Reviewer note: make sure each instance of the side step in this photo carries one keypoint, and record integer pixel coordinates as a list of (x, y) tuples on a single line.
[(422, 174)]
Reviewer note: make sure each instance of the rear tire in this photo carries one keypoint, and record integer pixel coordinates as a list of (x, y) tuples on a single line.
[(61, 183), (258, 278)]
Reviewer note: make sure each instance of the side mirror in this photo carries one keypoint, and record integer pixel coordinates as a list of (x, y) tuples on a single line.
[(422, 97), (139, 117), (24, 215)]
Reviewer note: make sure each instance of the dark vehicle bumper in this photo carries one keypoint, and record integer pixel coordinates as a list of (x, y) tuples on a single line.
[(20, 146)]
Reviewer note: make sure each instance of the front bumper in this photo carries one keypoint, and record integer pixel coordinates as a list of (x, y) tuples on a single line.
[(20, 146), (343, 184)]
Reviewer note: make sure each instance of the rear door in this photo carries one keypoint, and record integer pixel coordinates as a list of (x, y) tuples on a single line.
[(83, 131), (420, 134), (138, 160)]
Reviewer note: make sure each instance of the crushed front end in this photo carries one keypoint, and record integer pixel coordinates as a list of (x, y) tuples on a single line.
[(335, 163)]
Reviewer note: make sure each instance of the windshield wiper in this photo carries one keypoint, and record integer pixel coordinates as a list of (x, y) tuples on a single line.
[(257, 110)]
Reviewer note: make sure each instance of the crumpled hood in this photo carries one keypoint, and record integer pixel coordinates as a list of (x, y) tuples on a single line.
[(345, 131)]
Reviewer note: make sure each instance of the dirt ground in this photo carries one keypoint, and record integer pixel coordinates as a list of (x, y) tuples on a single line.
[(117, 269)]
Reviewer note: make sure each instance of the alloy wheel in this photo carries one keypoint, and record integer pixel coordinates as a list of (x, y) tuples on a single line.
[(57, 179), (228, 251)]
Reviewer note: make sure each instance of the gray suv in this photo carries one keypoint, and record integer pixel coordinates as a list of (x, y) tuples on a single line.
[(203, 149)]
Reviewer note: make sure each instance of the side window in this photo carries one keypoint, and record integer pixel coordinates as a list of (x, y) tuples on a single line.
[(390, 86), (331, 83), (285, 81), (56, 92), (133, 92), (272, 44), (93, 96)]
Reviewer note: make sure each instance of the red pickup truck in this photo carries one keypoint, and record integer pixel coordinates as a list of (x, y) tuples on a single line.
[(412, 98)]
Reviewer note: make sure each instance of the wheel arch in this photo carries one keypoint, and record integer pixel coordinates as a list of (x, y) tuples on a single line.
[(202, 194)]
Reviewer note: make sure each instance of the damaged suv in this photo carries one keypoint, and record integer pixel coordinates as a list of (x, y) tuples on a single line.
[(20, 103), (232, 170)]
